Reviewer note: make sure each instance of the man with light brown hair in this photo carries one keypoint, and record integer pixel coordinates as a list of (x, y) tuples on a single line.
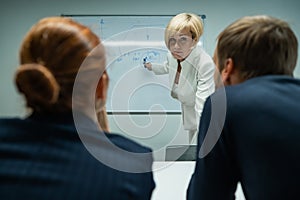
[(249, 130)]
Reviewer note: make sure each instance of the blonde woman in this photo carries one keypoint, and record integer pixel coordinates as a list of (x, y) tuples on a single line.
[(193, 81)]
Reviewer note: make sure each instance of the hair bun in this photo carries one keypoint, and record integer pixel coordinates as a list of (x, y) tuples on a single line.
[(38, 85)]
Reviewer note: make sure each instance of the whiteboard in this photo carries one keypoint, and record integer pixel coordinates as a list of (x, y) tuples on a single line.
[(127, 40)]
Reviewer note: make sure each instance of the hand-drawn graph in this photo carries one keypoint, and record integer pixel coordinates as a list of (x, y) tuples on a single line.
[(129, 39)]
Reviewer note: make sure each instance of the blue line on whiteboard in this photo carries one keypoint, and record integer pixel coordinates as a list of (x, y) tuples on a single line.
[(101, 28)]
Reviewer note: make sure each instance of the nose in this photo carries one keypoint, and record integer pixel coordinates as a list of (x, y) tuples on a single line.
[(176, 45)]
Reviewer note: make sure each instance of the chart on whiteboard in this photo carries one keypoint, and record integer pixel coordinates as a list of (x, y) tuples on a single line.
[(128, 40)]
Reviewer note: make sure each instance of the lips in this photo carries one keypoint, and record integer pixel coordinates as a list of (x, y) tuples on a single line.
[(177, 54)]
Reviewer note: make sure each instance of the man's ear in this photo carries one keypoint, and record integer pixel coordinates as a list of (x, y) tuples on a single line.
[(228, 72)]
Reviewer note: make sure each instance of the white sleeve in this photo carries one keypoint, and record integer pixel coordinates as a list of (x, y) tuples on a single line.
[(205, 83), (161, 68)]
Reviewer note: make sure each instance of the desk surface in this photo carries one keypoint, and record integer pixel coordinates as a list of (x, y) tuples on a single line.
[(172, 179)]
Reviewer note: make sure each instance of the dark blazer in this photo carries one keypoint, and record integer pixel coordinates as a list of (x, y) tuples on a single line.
[(43, 157), (259, 145)]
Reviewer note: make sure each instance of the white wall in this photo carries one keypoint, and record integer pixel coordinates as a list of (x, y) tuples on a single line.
[(155, 131)]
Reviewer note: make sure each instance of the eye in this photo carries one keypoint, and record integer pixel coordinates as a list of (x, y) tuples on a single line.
[(172, 41), (183, 39)]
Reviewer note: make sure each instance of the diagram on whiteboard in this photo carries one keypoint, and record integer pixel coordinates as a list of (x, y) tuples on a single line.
[(128, 40)]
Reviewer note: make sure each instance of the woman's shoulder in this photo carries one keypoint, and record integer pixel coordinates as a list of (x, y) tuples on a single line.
[(11, 122), (200, 57), (201, 52)]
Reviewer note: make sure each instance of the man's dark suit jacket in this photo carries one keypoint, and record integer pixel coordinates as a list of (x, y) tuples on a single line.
[(43, 157), (259, 145)]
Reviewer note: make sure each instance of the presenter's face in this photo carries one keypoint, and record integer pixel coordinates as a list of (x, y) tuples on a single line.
[(181, 44)]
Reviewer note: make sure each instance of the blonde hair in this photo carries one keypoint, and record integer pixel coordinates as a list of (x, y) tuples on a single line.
[(189, 21)]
